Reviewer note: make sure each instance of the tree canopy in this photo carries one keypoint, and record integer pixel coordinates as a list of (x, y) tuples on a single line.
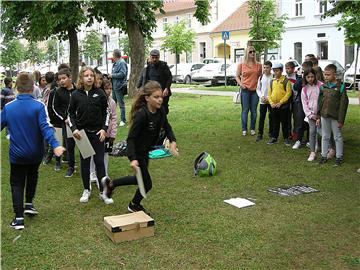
[(12, 53), (34, 54), (92, 45)]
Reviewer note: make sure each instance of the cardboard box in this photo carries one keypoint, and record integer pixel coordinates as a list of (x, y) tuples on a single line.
[(129, 226)]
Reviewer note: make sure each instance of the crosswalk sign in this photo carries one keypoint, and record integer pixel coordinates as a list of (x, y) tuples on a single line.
[(225, 35)]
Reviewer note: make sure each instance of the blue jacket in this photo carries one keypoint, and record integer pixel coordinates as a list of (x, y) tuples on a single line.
[(119, 74), (28, 124)]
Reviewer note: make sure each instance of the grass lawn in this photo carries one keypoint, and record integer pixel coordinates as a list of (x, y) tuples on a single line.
[(202, 87), (194, 228)]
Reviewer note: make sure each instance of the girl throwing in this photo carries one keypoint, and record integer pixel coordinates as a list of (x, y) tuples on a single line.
[(146, 120)]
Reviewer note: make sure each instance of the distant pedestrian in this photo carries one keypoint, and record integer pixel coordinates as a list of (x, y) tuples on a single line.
[(7, 95), (36, 92)]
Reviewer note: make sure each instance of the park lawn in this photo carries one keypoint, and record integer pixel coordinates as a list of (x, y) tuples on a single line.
[(203, 87), (194, 228)]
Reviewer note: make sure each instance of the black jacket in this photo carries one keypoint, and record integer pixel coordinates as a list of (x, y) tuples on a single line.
[(54, 120), (61, 102), (163, 71), (144, 132), (88, 111)]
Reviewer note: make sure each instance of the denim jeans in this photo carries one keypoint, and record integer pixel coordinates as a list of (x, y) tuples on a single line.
[(249, 101), (329, 125), (119, 99)]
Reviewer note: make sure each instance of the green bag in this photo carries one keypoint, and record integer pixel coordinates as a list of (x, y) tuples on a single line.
[(205, 165)]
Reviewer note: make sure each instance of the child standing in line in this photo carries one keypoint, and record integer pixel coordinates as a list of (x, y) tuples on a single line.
[(147, 119), (262, 91), (28, 125), (88, 111), (111, 131), (332, 106), (7, 95), (309, 99)]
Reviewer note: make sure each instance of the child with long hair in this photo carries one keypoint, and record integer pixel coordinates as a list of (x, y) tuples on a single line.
[(88, 110), (147, 117), (309, 98)]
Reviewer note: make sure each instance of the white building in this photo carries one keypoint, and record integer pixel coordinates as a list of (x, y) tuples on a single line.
[(306, 32)]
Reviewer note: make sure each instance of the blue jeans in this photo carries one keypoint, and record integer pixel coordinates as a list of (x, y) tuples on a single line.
[(119, 99), (249, 101)]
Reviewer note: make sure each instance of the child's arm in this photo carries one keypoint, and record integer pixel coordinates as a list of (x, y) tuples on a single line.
[(3, 119), (305, 104), (258, 89), (137, 123), (344, 102), (287, 95), (112, 126), (106, 116), (46, 128), (170, 135)]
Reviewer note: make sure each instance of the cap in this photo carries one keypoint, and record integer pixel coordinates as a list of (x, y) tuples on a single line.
[(155, 52), (277, 65)]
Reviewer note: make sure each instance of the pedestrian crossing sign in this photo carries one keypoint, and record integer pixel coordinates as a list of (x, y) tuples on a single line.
[(225, 35)]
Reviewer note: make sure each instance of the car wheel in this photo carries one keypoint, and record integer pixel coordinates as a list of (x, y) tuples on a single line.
[(187, 80)]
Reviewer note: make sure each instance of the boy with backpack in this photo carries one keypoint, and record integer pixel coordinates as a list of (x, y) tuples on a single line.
[(279, 94)]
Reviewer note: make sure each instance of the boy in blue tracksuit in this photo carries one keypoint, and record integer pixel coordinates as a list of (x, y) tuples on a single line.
[(28, 124)]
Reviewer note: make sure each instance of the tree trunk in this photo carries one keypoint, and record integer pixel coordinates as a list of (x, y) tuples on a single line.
[(355, 67), (136, 45), (74, 53)]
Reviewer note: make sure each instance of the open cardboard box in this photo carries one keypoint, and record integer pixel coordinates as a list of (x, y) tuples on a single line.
[(129, 226)]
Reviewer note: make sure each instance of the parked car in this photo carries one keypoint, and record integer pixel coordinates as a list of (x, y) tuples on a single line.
[(230, 76), (340, 71), (216, 60), (184, 72), (206, 74), (283, 62), (349, 76)]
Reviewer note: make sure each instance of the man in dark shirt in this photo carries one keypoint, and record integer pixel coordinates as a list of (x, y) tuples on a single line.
[(158, 70)]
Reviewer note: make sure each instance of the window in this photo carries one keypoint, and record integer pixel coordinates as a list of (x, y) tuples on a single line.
[(323, 6), (298, 8), (189, 17), (322, 49), (298, 51), (165, 22), (177, 19)]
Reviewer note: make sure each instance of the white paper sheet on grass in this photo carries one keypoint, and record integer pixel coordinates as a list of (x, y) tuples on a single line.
[(140, 181), (239, 202), (84, 145), (58, 135)]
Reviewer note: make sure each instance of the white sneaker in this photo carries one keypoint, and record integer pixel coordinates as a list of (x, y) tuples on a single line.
[(8, 137), (252, 132), (105, 198), (85, 196), (93, 177), (312, 156), (308, 145), (296, 145), (244, 133), (122, 124)]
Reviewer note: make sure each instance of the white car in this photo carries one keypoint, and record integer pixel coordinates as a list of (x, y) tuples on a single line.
[(349, 76), (182, 73), (339, 68), (230, 76), (206, 74)]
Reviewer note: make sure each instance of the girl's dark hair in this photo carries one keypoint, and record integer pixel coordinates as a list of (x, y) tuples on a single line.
[(147, 90), (105, 82), (307, 72), (42, 76)]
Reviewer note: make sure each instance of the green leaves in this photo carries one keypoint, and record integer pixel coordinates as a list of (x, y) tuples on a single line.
[(12, 53), (92, 45), (34, 54), (178, 39)]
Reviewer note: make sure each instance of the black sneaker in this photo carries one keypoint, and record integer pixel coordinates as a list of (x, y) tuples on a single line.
[(323, 160), (338, 162), (57, 166), (17, 224), (287, 142), (30, 209), (272, 141), (70, 172), (259, 137), (107, 186), (136, 208)]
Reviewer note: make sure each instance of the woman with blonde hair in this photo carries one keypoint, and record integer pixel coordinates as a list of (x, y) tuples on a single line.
[(247, 76)]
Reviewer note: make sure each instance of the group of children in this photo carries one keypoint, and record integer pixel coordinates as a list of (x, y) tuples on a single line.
[(317, 106), (86, 106)]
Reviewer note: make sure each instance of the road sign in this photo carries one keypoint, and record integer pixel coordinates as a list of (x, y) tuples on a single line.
[(225, 35)]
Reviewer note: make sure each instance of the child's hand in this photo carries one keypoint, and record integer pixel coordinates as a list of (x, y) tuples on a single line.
[(318, 122), (58, 151), (340, 125), (134, 163), (76, 134), (173, 149), (102, 134)]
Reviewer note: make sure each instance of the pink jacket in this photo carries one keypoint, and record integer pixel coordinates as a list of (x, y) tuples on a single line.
[(112, 129), (309, 99)]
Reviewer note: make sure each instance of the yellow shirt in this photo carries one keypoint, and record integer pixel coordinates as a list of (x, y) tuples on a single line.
[(278, 94)]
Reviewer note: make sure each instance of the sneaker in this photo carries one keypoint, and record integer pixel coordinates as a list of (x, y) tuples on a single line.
[(57, 166), (287, 142), (296, 145), (122, 124), (105, 198), (252, 132), (331, 153), (93, 177), (8, 137), (338, 162), (323, 160), (85, 196), (64, 159), (272, 141), (259, 137), (30, 209), (17, 223), (107, 186), (312, 156), (47, 160), (70, 172), (244, 133), (136, 208), (358, 170)]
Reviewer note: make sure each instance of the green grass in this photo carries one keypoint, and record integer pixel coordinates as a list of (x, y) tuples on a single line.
[(353, 94), (194, 228), (202, 87)]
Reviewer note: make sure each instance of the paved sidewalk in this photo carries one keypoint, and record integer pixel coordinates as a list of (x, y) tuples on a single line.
[(353, 101)]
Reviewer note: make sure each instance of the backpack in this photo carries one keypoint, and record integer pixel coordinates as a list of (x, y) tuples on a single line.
[(205, 165)]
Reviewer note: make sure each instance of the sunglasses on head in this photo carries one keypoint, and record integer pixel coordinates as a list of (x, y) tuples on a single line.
[(251, 51)]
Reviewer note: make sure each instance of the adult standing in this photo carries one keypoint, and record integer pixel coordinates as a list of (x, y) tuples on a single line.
[(158, 70), (247, 75), (118, 78)]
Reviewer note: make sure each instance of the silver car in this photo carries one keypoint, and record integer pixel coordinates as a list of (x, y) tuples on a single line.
[(182, 73), (206, 74)]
